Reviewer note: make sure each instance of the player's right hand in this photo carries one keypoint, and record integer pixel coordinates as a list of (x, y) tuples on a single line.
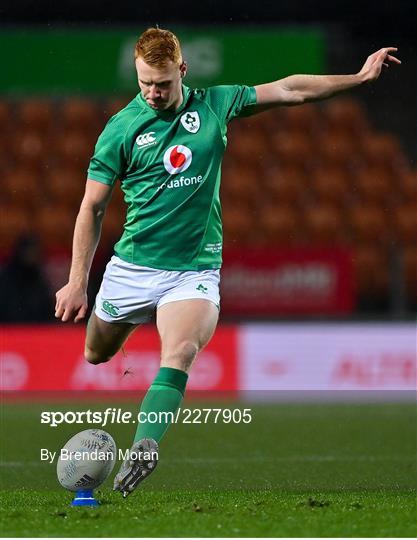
[(71, 303)]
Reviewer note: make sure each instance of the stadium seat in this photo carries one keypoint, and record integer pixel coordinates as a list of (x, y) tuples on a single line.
[(55, 226), (117, 200), (238, 225), (284, 185), (248, 147), (74, 150), (330, 185), (293, 149), (261, 123), (338, 150), (6, 152), (240, 184), (324, 225), (278, 225), (30, 149), (375, 186), (65, 187), (405, 224), (369, 224), (383, 151), (408, 186), (35, 115), (304, 119), (112, 226), (23, 188), (15, 221), (345, 115), (5, 115), (78, 114)]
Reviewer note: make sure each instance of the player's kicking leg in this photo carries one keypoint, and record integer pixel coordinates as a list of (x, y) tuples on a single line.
[(104, 339), (185, 327)]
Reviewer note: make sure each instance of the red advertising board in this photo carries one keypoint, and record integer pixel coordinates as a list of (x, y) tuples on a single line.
[(288, 281), (51, 358), (322, 357)]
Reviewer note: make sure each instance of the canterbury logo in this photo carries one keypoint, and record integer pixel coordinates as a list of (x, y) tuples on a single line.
[(110, 309), (146, 139)]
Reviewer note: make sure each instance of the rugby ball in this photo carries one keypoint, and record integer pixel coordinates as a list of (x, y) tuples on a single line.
[(86, 460)]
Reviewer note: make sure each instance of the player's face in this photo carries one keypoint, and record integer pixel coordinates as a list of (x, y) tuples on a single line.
[(161, 87)]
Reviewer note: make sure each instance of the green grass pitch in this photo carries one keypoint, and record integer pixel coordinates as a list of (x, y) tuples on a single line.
[(297, 470)]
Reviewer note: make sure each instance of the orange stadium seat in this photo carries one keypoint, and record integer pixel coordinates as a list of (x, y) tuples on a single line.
[(23, 188), (292, 149), (65, 187), (240, 184), (371, 271), (30, 149), (405, 224), (384, 151), (284, 185), (272, 121), (80, 114), (6, 152), (408, 186), (369, 224), (330, 185), (238, 225), (324, 225), (261, 123), (278, 225), (374, 186), (304, 119), (5, 115), (74, 150), (248, 147), (14, 222), (112, 226), (55, 226), (35, 115), (117, 200), (338, 150), (345, 115)]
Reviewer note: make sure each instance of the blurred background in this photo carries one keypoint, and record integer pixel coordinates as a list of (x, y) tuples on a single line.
[(319, 201)]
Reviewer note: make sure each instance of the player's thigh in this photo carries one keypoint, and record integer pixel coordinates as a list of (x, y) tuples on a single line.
[(104, 339), (185, 327)]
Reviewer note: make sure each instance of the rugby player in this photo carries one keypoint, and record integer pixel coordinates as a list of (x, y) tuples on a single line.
[(166, 147)]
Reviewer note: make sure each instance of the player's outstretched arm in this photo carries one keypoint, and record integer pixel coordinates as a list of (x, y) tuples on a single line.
[(71, 300), (298, 89)]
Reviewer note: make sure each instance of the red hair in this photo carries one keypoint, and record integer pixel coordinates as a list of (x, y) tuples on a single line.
[(157, 46)]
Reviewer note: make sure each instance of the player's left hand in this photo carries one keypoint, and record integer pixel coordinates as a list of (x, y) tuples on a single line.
[(372, 68)]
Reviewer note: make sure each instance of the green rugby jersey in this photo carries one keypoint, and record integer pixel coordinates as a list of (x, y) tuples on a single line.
[(168, 163)]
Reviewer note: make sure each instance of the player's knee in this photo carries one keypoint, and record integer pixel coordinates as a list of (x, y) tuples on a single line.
[(182, 356), (95, 357)]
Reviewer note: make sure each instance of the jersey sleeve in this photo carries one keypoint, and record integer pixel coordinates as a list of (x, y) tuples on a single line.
[(232, 101), (108, 162)]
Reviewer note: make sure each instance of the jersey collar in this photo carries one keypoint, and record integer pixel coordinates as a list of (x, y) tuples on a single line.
[(167, 114)]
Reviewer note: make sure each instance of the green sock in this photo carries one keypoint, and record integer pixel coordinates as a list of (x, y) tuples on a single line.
[(164, 396)]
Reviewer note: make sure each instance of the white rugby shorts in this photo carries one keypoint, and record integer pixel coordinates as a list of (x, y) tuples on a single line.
[(131, 293)]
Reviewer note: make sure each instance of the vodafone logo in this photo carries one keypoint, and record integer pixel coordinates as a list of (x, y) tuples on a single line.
[(177, 159)]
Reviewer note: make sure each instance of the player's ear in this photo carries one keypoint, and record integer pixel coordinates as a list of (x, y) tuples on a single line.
[(183, 68)]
